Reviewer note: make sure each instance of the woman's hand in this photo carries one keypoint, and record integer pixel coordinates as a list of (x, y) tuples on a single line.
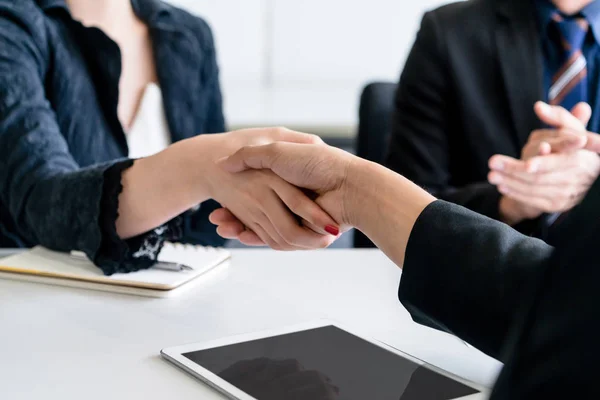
[(318, 168), (355, 192), (160, 187)]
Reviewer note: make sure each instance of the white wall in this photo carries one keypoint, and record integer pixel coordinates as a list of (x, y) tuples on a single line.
[(302, 63)]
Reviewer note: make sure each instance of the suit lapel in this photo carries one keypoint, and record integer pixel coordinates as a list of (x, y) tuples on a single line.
[(521, 64), (178, 60)]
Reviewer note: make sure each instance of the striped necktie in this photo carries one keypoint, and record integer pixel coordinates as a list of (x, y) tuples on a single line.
[(569, 84)]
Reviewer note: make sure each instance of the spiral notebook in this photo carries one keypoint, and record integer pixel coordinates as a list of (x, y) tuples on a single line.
[(41, 265)]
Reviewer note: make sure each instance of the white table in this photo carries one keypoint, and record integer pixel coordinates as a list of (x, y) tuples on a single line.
[(62, 343)]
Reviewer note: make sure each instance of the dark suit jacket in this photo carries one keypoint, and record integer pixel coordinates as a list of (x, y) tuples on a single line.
[(516, 298), (466, 93), (62, 147)]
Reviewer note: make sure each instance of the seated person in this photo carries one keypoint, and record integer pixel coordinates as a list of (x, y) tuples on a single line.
[(85, 87), (466, 94), (512, 296)]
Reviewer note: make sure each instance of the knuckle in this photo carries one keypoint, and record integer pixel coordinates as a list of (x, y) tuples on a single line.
[(279, 131), (314, 139), (275, 148), (295, 203)]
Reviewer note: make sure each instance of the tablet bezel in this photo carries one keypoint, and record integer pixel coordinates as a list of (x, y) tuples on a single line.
[(175, 356)]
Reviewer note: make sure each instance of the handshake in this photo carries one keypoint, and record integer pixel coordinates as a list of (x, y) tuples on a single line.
[(295, 192), (292, 191)]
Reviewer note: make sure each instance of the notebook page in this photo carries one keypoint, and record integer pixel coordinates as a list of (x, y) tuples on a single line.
[(44, 262)]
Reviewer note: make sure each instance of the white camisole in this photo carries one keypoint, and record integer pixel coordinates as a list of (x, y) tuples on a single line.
[(149, 133)]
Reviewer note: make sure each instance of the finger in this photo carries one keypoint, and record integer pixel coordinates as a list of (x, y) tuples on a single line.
[(293, 235), (539, 164), (512, 185), (563, 144), (222, 216), (305, 208), (504, 163), (553, 178), (262, 233), (544, 149), (230, 227), (252, 157), (593, 142), (583, 112), (310, 226), (557, 117), (231, 230), (290, 136), (250, 238), (533, 202), (557, 144), (275, 224)]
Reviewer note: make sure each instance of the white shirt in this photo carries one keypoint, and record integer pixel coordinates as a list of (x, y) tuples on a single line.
[(149, 133)]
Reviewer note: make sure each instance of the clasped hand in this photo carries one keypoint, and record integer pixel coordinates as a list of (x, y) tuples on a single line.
[(266, 206), (556, 169), (318, 168)]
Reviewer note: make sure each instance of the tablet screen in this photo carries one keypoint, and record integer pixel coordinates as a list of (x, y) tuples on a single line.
[(323, 364)]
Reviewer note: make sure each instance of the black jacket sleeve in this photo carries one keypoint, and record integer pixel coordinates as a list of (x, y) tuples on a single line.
[(52, 200), (420, 146), (553, 348), (467, 274)]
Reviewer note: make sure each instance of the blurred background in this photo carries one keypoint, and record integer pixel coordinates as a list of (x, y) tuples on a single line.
[(303, 64)]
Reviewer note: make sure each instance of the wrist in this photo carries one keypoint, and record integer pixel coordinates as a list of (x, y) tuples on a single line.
[(192, 165), (372, 193), (511, 212), (355, 191)]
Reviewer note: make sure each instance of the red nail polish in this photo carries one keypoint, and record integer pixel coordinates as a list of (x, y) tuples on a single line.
[(333, 230)]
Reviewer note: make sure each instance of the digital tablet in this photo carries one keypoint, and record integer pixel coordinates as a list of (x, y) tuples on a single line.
[(316, 361)]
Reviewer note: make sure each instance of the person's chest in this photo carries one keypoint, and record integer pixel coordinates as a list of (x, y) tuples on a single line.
[(85, 88)]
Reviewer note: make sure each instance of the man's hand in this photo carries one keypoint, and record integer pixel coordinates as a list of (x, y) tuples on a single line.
[(556, 169), (567, 134)]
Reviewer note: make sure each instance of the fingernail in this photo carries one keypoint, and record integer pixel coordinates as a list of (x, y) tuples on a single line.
[(332, 230), (503, 189)]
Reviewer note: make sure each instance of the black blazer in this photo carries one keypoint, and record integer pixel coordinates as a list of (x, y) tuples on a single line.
[(516, 298), (466, 93)]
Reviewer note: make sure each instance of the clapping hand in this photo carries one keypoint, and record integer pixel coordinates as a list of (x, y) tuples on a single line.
[(556, 169)]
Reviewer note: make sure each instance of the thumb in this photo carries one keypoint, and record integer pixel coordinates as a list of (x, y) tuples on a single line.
[(251, 157), (558, 117), (583, 112), (593, 142)]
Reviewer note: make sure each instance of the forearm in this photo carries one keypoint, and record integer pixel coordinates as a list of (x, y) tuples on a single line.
[(158, 188), (384, 206), (436, 243)]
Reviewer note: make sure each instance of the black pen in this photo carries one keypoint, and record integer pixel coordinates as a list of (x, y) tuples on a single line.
[(162, 265)]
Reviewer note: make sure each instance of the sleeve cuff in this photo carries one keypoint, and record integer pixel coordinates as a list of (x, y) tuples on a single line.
[(116, 255)]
